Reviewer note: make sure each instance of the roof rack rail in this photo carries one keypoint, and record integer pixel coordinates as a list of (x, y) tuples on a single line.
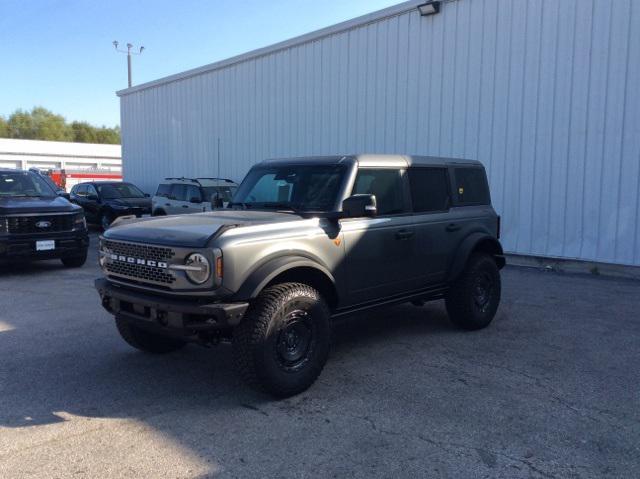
[(220, 179), (183, 179)]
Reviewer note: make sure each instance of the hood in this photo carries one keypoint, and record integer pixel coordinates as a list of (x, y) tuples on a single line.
[(44, 204), (193, 230), (131, 202)]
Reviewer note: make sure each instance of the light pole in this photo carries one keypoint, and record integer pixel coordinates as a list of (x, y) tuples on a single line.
[(129, 53)]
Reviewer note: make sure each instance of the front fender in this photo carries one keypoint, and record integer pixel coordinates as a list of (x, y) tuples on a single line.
[(265, 273)]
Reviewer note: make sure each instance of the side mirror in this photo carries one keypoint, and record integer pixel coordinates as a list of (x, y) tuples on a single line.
[(64, 194), (147, 195), (195, 199), (360, 206)]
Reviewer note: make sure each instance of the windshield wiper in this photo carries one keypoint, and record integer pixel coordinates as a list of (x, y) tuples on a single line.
[(278, 205)]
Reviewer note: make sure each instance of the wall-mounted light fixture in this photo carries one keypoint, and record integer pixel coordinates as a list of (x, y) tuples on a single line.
[(429, 8)]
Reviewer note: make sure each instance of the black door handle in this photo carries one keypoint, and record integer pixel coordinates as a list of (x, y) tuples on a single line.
[(185, 206), (167, 204), (452, 227), (404, 234)]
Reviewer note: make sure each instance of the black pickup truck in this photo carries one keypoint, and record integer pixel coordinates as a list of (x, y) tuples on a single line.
[(36, 223)]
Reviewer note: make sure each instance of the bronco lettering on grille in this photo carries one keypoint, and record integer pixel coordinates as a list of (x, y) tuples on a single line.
[(140, 261)]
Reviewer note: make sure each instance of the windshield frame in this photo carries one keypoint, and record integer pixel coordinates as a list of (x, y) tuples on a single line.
[(37, 179), (332, 206)]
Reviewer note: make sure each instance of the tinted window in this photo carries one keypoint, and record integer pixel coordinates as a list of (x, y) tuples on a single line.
[(179, 192), (224, 192), (21, 183), (429, 189), (80, 190), (193, 192), (164, 190), (91, 190), (304, 187), (386, 185), (471, 186), (112, 191)]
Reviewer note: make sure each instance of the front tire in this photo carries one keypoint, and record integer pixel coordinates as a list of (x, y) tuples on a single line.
[(283, 342), (146, 341), (474, 297)]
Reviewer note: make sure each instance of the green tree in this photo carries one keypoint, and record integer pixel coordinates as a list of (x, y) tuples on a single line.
[(108, 135), (39, 124), (83, 132), (42, 124), (4, 128)]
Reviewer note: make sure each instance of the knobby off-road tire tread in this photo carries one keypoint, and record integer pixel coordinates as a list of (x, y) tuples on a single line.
[(145, 341), (458, 300), (251, 332)]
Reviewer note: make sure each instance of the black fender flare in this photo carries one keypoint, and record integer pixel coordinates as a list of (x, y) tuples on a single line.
[(477, 240), (268, 271)]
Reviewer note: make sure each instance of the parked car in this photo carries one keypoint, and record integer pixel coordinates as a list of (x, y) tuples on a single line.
[(104, 201), (191, 195), (306, 241), (36, 223)]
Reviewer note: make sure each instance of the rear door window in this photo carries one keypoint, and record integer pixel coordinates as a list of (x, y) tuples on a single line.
[(471, 186), (179, 192), (164, 191), (429, 189), (193, 192)]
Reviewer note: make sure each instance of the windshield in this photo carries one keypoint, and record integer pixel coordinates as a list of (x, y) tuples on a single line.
[(225, 192), (50, 182), (119, 190), (22, 183), (295, 187)]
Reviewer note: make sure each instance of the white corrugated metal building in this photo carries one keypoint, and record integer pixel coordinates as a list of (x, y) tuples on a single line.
[(46, 155), (545, 93)]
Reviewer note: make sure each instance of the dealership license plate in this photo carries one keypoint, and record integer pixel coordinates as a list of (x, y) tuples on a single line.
[(45, 245)]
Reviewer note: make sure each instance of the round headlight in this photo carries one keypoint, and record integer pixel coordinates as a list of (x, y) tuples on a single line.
[(198, 268)]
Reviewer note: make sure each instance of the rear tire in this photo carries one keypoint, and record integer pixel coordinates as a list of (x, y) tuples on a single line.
[(159, 213), (474, 297), (75, 261), (146, 341), (283, 342)]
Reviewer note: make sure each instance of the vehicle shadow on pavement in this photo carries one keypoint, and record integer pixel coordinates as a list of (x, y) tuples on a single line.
[(97, 375)]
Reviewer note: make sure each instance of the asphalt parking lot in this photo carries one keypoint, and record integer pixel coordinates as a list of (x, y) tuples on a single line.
[(550, 389)]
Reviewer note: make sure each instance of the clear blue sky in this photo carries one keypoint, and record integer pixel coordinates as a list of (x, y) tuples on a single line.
[(58, 53)]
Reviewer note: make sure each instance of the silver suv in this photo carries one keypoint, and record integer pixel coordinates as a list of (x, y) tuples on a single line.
[(302, 243), (176, 196)]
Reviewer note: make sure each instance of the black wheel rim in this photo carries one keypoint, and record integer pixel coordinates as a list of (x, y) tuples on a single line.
[(295, 340), (483, 291)]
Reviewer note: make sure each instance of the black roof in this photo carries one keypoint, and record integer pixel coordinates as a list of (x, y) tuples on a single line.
[(373, 160)]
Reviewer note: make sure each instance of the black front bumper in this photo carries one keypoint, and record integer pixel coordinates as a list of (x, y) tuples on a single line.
[(171, 317), (23, 247)]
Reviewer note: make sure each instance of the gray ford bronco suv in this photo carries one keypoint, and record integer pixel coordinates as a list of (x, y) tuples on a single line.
[(304, 242)]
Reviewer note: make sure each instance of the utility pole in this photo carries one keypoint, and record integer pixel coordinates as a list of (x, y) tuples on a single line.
[(129, 53)]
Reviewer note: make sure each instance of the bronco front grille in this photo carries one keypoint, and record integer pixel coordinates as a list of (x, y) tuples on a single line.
[(133, 261), (39, 224), (155, 253), (140, 272)]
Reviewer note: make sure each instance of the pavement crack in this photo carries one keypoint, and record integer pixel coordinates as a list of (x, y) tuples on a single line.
[(486, 453)]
